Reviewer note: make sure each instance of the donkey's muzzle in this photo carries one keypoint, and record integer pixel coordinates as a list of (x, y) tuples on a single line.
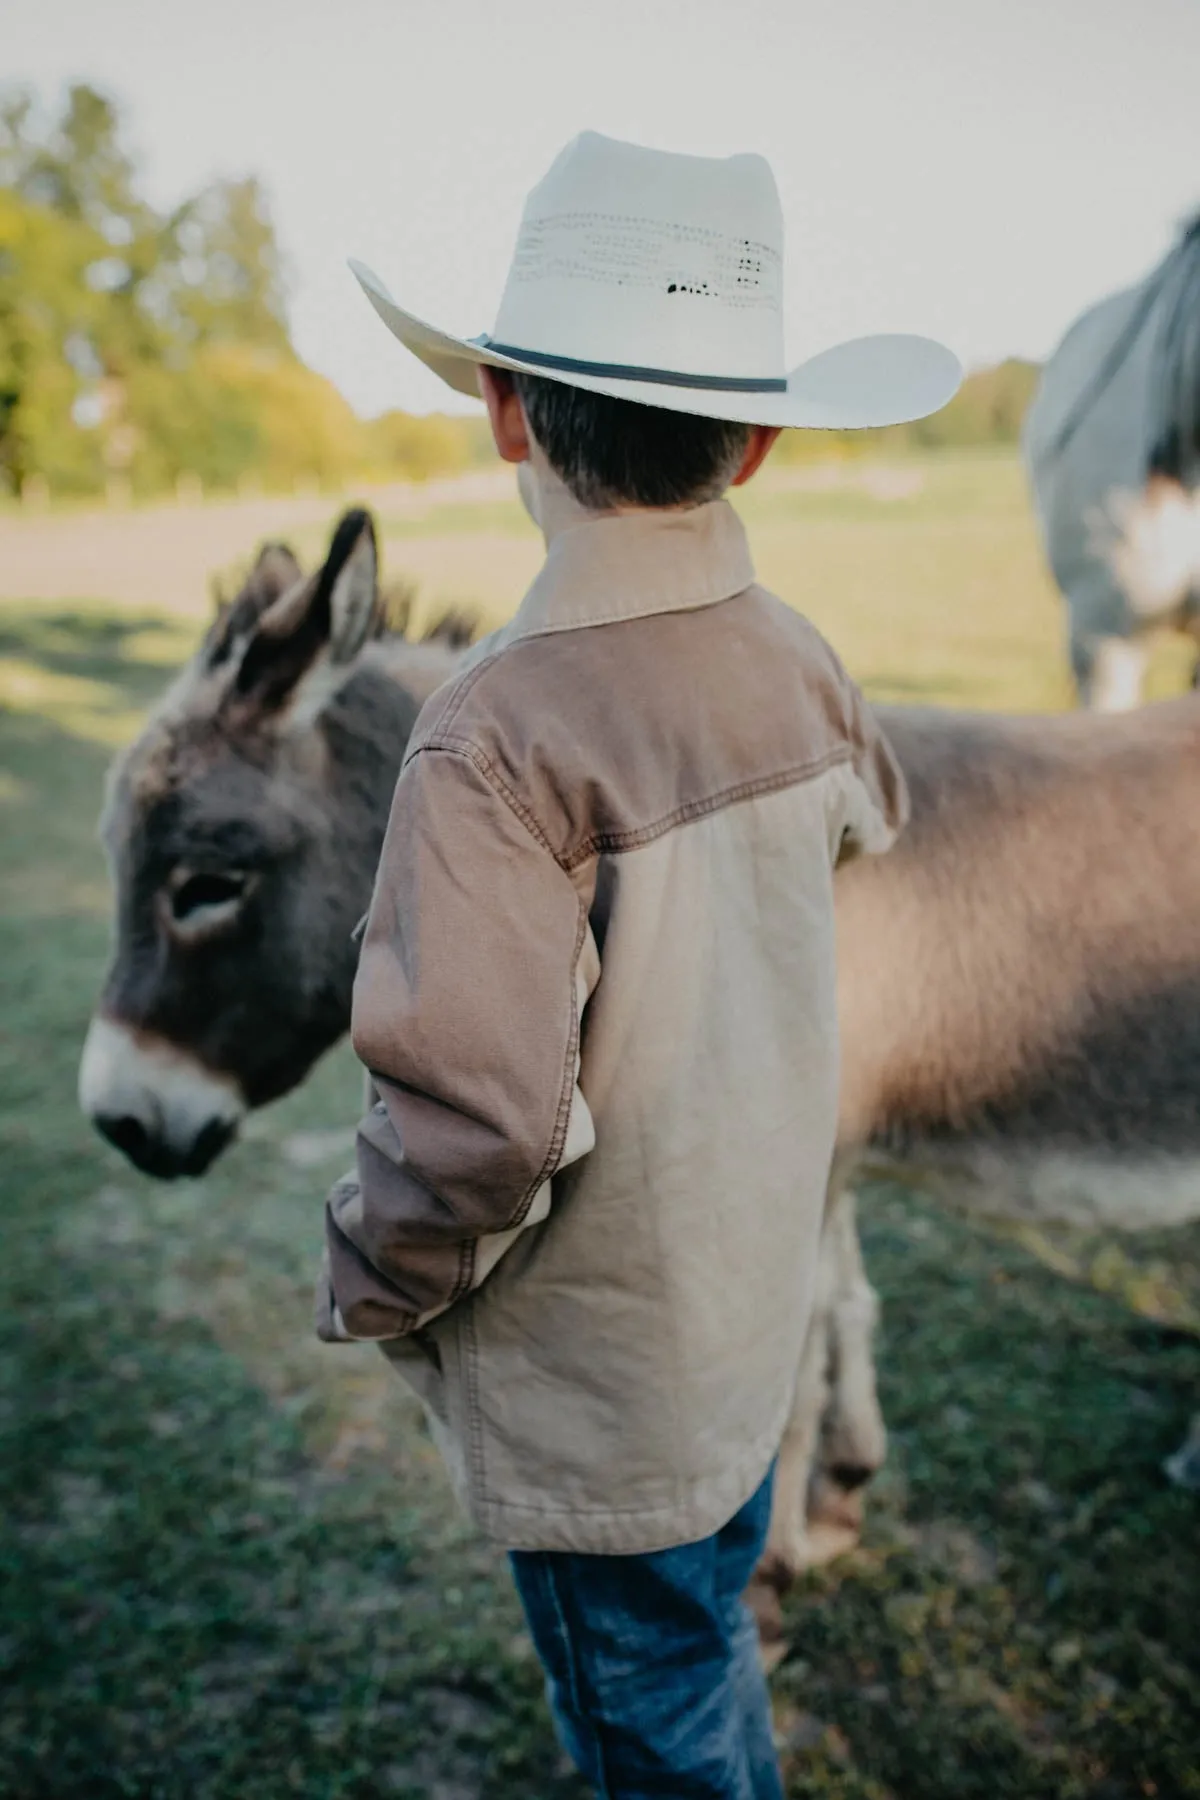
[(170, 1114), (159, 1156)]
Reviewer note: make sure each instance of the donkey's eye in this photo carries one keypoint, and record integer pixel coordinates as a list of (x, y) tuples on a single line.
[(206, 897)]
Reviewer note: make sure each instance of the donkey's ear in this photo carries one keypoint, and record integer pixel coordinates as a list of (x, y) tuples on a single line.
[(352, 572), (241, 597), (306, 642), (275, 572)]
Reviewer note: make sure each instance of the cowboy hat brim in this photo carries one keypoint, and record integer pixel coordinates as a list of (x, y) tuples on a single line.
[(865, 382)]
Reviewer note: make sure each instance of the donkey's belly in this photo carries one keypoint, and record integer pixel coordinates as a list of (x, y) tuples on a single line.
[(1102, 1129), (1019, 980)]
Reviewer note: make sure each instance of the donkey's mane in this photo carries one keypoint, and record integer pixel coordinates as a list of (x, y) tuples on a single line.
[(399, 617), (421, 661), (456, 629)]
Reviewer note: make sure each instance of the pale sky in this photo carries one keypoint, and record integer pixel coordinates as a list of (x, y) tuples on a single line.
[(979, 170)]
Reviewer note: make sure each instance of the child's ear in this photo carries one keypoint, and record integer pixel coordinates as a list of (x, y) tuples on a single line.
[(506, 415), (762, 439)]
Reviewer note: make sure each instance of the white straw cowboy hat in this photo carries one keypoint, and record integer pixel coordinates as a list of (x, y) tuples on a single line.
[(658, 278)]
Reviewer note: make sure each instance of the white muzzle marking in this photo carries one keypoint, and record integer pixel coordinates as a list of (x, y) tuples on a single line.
[(124, 1074)]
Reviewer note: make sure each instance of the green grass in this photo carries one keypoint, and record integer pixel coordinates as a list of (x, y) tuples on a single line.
[(228, 1562)]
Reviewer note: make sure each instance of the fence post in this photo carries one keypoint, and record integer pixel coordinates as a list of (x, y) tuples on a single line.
[(35, 494)]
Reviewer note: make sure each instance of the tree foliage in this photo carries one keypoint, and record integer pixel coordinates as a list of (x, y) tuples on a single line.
[(418, 448), (988, 409), (148, 345), (109, 309), (144, 345)]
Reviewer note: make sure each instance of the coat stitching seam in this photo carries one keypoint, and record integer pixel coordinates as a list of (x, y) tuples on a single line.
[(613, 843), (463, 747)]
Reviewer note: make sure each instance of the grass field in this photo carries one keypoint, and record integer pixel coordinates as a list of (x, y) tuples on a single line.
[(228, 1564)]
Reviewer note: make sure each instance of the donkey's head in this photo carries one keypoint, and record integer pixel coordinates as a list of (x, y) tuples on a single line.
[(242, 830)]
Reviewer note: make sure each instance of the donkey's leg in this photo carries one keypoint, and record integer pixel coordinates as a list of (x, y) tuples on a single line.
[(788, 1551), (835, 1414), (839, 1342), (839, 1277), (854, 1437), (855, 1440)]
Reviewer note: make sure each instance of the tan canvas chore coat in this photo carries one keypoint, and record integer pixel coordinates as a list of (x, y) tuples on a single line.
[(597, 999)]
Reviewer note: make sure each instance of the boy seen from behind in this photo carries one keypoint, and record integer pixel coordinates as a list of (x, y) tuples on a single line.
[(597, 988)]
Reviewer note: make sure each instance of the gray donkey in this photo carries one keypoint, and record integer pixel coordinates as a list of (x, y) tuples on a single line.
[(1112, 446), (1019, 979)]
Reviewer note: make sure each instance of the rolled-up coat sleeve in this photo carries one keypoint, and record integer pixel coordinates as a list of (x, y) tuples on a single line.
[(476, 966)]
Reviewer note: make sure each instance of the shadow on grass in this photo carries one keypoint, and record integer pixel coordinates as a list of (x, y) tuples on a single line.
[(130, 652), (54, 753)]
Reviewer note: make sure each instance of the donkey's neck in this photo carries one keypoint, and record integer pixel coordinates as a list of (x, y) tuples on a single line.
[(417, 668), (366, 729)]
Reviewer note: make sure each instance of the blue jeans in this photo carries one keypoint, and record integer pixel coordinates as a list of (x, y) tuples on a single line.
[(652, 1665)]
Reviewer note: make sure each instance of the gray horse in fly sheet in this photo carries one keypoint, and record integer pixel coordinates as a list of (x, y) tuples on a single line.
[(1112, 447)]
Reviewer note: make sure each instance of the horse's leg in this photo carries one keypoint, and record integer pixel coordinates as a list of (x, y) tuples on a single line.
[(1184, 1467), (1118, 666), (1190, 613)]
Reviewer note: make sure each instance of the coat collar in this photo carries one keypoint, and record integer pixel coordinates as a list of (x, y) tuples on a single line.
[(602, 567)]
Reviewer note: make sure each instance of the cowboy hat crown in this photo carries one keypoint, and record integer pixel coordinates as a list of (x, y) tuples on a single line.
[(658, 278)]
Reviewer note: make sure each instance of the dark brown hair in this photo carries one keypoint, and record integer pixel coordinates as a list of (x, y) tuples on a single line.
[(615, 452)]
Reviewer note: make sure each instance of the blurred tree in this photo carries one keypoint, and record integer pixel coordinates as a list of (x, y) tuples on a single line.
[(141, 346), (397, 443), (223, 281), (304, 429), (107, 310), (47, 320), (988, 409), (76, 166)]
